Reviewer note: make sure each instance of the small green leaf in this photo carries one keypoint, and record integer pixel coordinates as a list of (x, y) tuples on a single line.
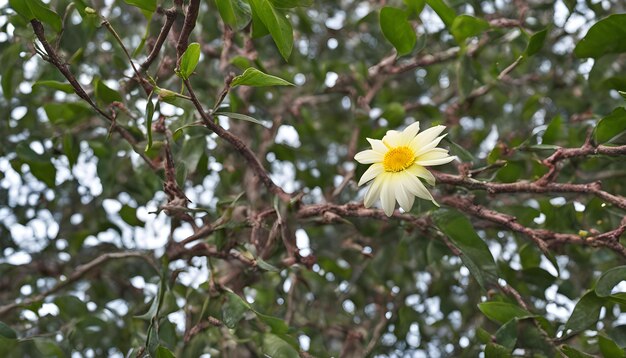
[(502, 312), (36, 9), (61, 86), (397, 29), (288, 4), (610, 279), (610, 348), (276, 23), (105, 93), (48, 348), (611, 126), (586, 313), (22, 8), (147, 5), (235, 13), (277, 325), (605, 37), (275, 346), (129, 215), (266, 266), (149, 115), (255, 78), (536, 42), (507, 334), (6, 331), (163, 352), (476, 255), (553, 131), (459, 151), (493, 350), (240, 116), (234, 309), (445, 12), (71, 148), (189, 61), (465, 26), (572, 352), (415, 6)]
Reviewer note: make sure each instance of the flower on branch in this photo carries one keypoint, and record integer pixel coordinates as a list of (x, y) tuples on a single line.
[(398, 162)]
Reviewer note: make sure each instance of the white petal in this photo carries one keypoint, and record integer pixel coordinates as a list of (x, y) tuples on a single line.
[(373, 192), (372, 172), (417, 188), (378, 145), (426, 137), (436, 156), (387, 197), (403, 195), (412, 130), (429, 146), (369, 156), (420, 171), (411, 201), (393, 139)]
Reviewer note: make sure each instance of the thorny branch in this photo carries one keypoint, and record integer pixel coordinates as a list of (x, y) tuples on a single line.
[(78, 273)]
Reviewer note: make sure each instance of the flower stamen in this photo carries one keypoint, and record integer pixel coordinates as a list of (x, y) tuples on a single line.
[(398, 159)]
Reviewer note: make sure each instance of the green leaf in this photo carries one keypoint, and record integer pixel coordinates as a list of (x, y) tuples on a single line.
[(240, 116), (36, 9), (235, 13), (609, 348), (276, 23), (61, 86), (149, 115), (275, 346), (147, 5), (288, 4), (507, 334), (105, 93), (553, 131), (465, 26), (610, 279), (22, 8), (129, 215), (255, 78), (258, 28), (71, 307), (48, 348), (277, 325), (459, 151), (586, 313), (493, 350), (445, 12), (476, 255), (189, 61), (605, 37), (71, 148), (397, 29), (572, 352), (502, 312), (234, 309), (536, 42), (6, 331), (611, 126), (415, 6), (266, 266), (163, 352), (44, 171)]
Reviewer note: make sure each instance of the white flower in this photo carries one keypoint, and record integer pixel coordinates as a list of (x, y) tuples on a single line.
[(398, 162)]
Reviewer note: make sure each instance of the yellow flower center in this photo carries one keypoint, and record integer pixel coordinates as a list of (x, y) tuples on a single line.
[(398, 159)]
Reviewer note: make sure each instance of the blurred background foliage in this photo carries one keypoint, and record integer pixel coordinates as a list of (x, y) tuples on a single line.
[(506, 77)]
